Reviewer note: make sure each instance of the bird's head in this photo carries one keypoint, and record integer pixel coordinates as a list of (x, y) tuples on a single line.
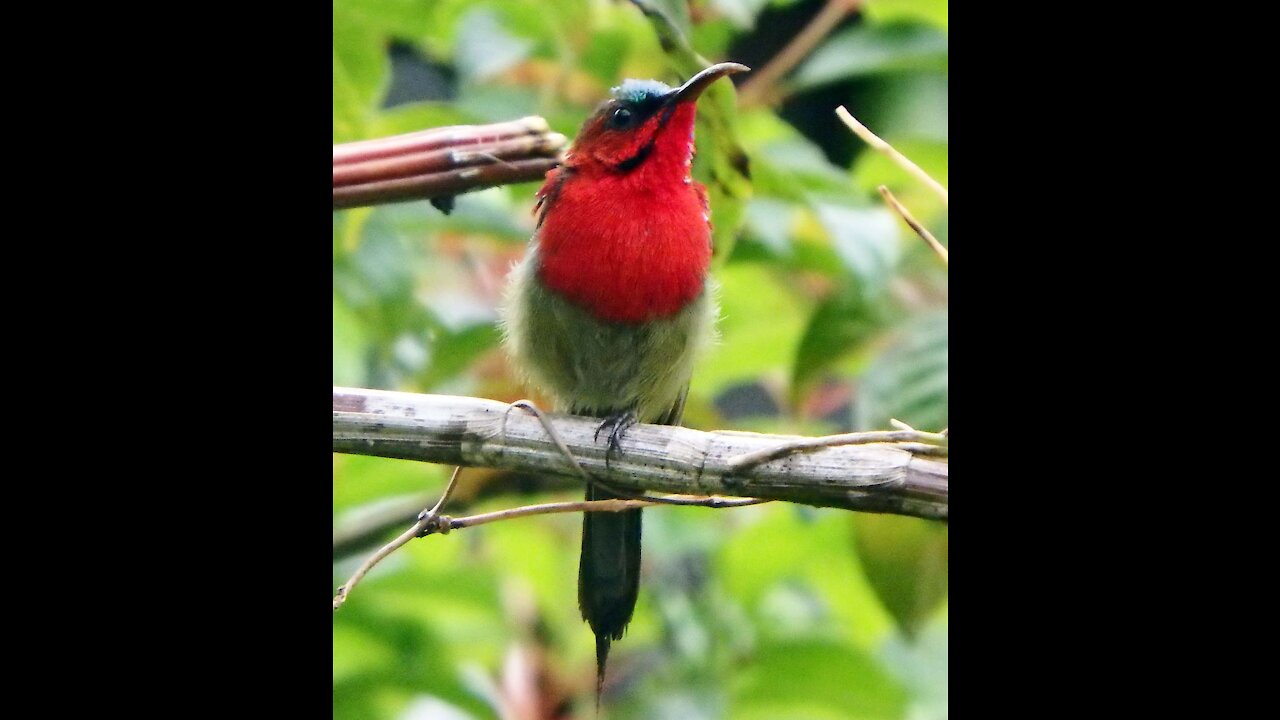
[(644, 121)]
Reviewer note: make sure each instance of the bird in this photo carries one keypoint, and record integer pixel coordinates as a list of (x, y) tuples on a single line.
[(613, 301)]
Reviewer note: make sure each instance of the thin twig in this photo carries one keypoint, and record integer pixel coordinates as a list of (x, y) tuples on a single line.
[(448, 492), (758, 87), (614, 505), (345, 589), (908, 438), (915, 224), (898, 158), (432, 524), (427, 519)]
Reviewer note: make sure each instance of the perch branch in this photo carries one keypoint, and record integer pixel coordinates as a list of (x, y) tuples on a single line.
[(443, 162), (656, 458), (898, 158)]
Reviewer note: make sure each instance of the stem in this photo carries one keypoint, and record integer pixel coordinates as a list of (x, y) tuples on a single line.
[(915, 224), (898, 158), (757, 88)]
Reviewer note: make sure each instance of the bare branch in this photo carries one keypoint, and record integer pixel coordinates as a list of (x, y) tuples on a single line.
[(759, 86), (483, 433), (433, 524), (915, 224), (345, 589), (443, 162), (898, 158)]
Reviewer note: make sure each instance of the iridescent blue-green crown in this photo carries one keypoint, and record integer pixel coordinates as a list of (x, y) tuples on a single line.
[(637, 92)]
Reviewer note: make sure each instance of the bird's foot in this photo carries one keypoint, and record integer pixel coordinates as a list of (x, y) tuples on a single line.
[(618, 425)]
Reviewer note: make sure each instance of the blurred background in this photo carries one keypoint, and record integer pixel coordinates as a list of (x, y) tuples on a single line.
[(834, 317)]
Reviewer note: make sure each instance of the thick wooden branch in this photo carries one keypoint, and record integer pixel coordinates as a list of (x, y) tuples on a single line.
[(486, 433)]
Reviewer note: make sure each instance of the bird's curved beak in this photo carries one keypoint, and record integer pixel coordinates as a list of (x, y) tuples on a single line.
[(690, 91)]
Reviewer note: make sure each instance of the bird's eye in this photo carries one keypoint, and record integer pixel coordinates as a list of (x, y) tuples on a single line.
[(620, 118)]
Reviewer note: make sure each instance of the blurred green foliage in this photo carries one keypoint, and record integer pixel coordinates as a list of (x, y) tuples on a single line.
[(831, 307)]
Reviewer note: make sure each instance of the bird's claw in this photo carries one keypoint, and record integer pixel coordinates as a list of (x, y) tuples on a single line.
[(618, 425)]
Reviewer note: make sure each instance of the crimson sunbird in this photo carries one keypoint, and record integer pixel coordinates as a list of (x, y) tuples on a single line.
[(612, 302)]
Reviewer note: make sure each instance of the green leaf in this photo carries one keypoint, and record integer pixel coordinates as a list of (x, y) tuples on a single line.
[(905, 560), (399, 18), (867, 241), (350, 346), (933, 12), (921, 664), (909, 106), (360, 71), (816, 560), (749, 348), (452, 353), (412, 117), (359, 479), (484, 46), (869, 49), (909, 380), (846, 321), (743, 13), (724, 166), (816, 679)]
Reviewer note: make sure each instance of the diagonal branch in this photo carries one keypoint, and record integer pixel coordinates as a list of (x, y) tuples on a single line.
[(483, 433)]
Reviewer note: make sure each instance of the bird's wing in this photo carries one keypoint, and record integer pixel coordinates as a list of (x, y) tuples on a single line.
[(549, 191)]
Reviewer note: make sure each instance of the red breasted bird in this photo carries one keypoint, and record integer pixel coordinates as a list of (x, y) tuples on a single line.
[(611, 302)]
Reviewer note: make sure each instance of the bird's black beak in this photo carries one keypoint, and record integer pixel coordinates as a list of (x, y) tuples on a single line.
[(690, 91)]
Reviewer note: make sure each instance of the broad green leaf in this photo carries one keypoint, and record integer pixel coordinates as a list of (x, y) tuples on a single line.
[(723, 166), (930, 11), (485, 47), (452, 353), (761, 323), (360, 72), (605, 54), (357, 651), (909, 380), (909, 106), (359, 479), (922, 666), (742, 12), (770, 221), (817, 560), (905, 560), (412, 117), (867, 241), (350, 346), (816, 678), (398, 18), (845, 322), (870, 48)]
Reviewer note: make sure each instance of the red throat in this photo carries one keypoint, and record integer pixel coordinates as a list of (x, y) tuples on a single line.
[(629, 247)]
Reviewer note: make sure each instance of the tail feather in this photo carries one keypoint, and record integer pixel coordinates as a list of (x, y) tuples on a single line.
[(608, 574), (609, 568)]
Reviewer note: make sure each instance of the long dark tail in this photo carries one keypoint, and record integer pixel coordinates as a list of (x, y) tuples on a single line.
[(608, 574)]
